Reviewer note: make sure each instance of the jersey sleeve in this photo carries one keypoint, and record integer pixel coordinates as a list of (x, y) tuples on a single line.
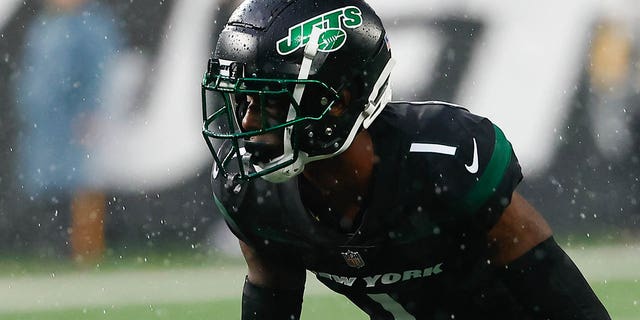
[(227, 203), (254, 212), (473, 169), (229, 220), (489, 192)]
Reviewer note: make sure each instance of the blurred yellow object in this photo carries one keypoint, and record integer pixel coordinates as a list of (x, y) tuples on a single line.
[(610, 54)]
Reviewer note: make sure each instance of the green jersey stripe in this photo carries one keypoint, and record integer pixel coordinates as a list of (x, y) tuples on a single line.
[(492, 175)]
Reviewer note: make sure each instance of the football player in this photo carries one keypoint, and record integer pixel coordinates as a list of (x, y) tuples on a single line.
[(411, 216)]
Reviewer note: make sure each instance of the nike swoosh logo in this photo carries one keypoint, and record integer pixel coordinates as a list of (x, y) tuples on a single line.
[(473, 168)]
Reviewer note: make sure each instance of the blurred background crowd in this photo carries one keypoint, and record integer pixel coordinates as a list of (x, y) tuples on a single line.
[(100, 143)]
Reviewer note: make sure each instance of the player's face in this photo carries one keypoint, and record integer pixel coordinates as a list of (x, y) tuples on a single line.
[(261, 120), (263, 112)]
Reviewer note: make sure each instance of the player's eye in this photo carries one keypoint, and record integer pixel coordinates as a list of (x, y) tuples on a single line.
[(277, 106)]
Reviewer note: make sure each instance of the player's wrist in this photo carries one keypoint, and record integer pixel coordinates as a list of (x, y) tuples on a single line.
[(270, 304)]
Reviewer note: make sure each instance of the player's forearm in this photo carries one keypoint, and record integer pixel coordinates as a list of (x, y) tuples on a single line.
[(549, 284), (259, 303)]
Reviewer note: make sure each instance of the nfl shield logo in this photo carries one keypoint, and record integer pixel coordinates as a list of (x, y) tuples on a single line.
[(353, 259)]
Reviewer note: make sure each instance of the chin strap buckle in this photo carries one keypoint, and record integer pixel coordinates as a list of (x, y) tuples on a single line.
[(380, 95)]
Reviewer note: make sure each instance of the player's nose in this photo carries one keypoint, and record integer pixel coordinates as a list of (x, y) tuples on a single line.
[(252, 118)]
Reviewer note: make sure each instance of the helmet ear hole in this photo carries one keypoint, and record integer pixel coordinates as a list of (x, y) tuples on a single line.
[(341, 105), (337, 109), (356, 87)]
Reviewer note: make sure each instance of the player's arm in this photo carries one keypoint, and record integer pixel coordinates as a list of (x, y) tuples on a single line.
[(537, 270), (273, 290)]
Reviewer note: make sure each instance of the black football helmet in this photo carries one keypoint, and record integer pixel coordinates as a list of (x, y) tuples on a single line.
[(307, 56)]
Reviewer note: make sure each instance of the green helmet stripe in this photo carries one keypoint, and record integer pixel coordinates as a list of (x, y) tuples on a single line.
[(492, 175)]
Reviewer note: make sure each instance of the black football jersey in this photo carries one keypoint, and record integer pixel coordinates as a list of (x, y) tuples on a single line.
[(442, 179)]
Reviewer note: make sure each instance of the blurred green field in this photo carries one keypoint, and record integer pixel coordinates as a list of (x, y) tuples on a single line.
[(620, 297), (318, 307), (174, 287)]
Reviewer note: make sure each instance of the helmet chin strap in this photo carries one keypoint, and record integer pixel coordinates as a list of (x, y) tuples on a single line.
[(283, 174), (379, 97)]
